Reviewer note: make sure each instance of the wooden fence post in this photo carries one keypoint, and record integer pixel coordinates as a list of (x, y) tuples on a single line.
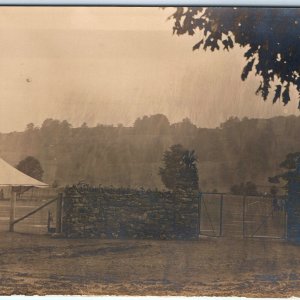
[(13, 198), (199, 214), (59, 213), (221, 216), (244, 216)]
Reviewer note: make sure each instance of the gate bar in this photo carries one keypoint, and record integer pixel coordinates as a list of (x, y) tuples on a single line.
[(33, 211), (261, 224)]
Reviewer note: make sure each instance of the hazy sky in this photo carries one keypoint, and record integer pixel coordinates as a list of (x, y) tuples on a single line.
[(112, 65)]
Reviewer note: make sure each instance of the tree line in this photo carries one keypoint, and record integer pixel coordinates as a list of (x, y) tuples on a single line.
[(238, 151)]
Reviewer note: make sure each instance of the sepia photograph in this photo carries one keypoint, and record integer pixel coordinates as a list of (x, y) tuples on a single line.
[(150, 151)]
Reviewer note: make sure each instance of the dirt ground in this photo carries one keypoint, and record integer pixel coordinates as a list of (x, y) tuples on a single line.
[(39, 264)]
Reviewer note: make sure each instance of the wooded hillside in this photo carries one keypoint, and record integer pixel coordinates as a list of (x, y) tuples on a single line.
[(237, 151)]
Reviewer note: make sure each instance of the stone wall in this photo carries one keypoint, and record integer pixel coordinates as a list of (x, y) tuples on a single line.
[(128, 213)]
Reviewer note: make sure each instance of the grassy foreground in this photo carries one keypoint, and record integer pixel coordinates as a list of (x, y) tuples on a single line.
[(35, 264)]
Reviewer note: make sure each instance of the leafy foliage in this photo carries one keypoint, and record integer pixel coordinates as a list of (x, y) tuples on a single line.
[(248, 189), (270, 38), (289, 164), (180, 169), (32, 167)]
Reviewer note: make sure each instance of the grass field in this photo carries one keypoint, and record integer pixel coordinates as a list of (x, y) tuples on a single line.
[(39, 264)]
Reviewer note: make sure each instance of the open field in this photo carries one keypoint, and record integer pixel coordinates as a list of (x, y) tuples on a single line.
[(38, 264)]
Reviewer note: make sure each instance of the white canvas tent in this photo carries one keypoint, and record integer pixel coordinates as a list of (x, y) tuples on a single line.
[(10, 176)]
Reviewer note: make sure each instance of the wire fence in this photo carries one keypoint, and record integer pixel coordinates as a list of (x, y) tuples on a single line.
[(242, 216)]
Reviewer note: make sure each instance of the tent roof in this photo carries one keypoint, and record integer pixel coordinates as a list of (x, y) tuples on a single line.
[(10, 176)]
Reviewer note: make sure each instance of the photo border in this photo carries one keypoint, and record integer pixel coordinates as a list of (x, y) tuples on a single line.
[(219, 3), (146, 3)]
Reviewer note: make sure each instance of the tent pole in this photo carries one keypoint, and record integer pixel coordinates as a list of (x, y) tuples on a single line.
[(13, 198)]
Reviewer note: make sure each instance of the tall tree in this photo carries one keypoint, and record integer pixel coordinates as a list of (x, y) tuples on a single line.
[(32, 167), (180, 169), (289, 165), (269, 36)]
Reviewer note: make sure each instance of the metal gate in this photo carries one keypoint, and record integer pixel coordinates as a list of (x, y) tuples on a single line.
[(264, 217), (210, 214), (229, 215)]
